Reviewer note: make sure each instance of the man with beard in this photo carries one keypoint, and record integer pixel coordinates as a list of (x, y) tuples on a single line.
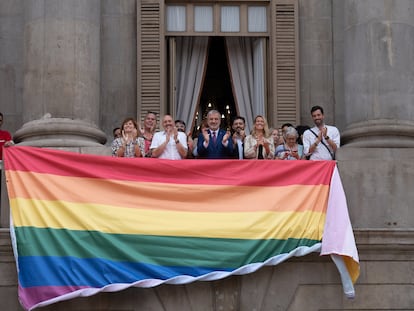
[(321, 141), (238, 136)]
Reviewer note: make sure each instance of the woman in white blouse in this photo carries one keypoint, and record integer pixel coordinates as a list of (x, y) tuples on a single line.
[(259, 145)]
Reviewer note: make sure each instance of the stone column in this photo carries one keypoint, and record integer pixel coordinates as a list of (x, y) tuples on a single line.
[(61, 74), (376, 161), (379, 73), (316, 58), (118, 62)]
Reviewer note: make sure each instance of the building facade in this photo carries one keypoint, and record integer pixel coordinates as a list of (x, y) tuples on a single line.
[(71, 71)]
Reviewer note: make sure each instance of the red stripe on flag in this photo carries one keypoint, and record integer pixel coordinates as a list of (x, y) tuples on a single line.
[(207, 172)]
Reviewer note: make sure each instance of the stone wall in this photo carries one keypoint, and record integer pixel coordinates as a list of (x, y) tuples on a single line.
[(356, 59)]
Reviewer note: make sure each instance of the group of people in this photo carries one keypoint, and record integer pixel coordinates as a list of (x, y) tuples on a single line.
[(289, 143)]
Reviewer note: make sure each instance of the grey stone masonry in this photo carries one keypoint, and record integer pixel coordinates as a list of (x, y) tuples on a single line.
[(379, 73), (62, 62)]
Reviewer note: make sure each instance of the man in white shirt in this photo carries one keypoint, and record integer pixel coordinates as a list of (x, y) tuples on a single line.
[(170, 143), (321, 141)]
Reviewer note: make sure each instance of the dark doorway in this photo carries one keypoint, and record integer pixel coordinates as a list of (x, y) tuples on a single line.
[(216, 92)]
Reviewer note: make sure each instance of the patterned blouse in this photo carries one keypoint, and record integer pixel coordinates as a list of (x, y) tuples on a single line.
[(130, 148)]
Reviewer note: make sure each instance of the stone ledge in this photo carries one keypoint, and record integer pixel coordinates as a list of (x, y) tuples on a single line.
[(382, 244)]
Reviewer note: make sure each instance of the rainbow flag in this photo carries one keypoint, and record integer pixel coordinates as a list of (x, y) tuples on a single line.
[(82, 224)]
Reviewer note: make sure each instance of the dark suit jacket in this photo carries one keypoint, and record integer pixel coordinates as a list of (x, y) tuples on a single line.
[(236, 151), (217, 151)]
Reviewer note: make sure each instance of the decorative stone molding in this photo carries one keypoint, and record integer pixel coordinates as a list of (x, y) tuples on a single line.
[(383, 244), (383, 133), (59, 132)]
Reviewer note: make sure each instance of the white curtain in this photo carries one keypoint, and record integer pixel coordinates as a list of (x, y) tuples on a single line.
[(191, 59), (247, 71), (230, 19)]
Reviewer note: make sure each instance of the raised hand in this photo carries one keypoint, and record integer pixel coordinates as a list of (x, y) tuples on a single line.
[(125, 137), (226, 136), (206, 135)]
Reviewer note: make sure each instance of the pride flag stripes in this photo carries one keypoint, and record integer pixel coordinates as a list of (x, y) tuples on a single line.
[(83, 224)]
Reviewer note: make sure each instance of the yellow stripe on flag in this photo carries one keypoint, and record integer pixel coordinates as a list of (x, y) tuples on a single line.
[(243, 225)]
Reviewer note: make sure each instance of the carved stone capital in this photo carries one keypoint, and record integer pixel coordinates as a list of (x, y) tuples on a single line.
[(59, 132)]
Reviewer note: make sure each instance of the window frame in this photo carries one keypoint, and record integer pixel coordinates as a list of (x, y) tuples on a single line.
[(243, 9)]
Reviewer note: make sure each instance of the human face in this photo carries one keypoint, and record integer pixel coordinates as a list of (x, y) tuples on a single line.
[(128, 127), (117, 133), (167, 123), (150, 121), (180, 127), (291, 140), (259, 123), (238, 125), (213, 121), (317, 117)]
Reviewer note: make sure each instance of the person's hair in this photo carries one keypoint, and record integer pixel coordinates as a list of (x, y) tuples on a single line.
[(301, 129), (291, 131), (213, 111), (200, 127), (1, 115), (265, 128), (286, 125), (115, 129), (238, 118), (179, 121), (127, 120), (204, 123), (151, 112), (314, 108)]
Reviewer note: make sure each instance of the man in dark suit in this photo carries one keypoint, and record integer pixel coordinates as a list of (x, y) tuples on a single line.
[(214, 143), (238, 136)]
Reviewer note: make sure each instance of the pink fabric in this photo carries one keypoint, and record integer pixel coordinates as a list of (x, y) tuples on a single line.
[(338, 237)]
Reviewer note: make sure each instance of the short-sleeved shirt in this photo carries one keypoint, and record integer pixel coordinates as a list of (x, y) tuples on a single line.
[(170, 151), (321, 152)]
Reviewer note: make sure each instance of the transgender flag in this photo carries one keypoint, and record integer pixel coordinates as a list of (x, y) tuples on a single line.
[(82, 224)]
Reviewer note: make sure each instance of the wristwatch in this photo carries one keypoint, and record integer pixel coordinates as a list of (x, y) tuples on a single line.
[(177, 141), (326, 137)]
